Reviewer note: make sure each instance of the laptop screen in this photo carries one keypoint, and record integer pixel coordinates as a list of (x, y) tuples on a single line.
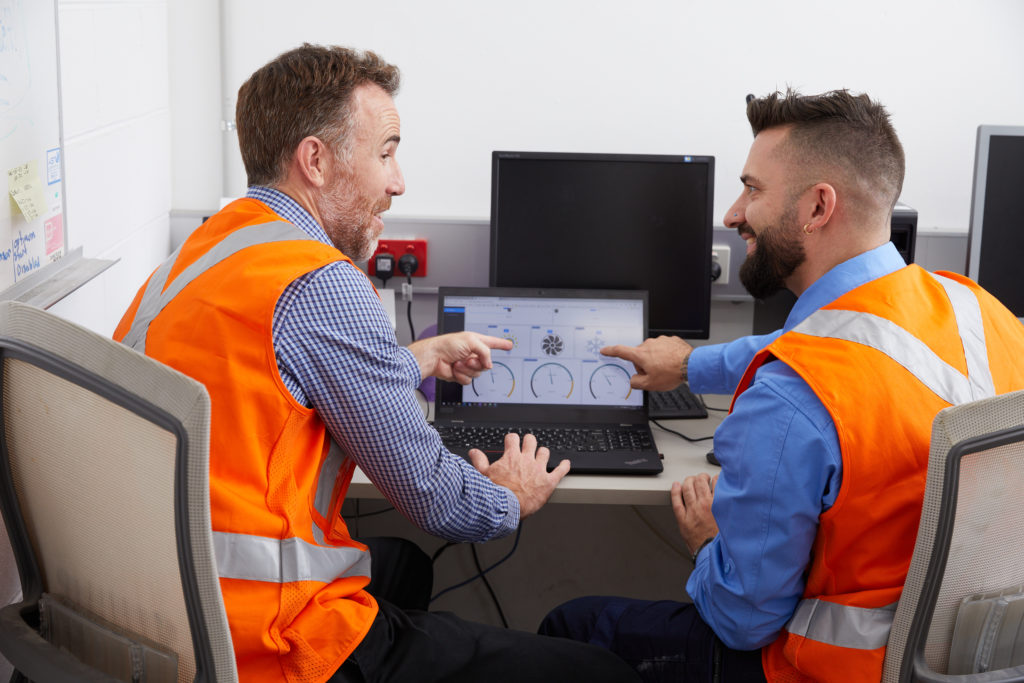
[(555, 361)]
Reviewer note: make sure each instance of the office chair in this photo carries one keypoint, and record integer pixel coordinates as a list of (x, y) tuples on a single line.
[(970, 542), (104, 489)]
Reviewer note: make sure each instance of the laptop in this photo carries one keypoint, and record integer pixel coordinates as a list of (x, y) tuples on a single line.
[(553, 383)]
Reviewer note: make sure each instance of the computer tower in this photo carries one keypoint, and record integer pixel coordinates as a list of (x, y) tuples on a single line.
[(770, 314), (903, 230)]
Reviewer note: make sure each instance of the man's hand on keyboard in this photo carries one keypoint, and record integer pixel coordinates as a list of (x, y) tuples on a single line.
[(660, 362), (523, 470)]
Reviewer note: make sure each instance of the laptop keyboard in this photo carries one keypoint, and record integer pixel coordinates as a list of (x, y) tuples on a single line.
[(680, 403), (459, 439)]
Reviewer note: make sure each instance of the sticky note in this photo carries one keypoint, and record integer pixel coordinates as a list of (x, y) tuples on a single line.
[(27, 190), (54, 231)]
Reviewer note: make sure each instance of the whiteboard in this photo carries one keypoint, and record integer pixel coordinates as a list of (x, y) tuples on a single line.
[(33, 233)]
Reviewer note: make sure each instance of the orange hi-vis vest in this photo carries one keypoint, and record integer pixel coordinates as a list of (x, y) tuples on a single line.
[(292, 577), (883, 359)]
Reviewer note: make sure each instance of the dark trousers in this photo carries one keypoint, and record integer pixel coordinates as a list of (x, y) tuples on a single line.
[(407, 643), (663, 640)]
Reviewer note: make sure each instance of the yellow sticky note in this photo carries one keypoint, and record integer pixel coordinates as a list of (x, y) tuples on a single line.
[(27, 190)]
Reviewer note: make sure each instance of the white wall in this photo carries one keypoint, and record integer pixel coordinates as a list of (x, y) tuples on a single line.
[(117, 142), (195, 85), (655, 76)]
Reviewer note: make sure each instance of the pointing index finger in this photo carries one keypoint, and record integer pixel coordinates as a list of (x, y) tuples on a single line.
[(619, 351)]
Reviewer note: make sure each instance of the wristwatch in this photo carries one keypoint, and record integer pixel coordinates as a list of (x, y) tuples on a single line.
[(701, 547)]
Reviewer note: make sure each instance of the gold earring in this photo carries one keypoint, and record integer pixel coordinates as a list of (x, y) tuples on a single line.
[(806, 231)]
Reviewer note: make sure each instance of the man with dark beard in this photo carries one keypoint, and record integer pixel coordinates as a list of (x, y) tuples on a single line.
[(799, 561), (263, 304)]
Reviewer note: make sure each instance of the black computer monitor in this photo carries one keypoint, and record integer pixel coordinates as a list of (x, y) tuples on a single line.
[(608, 221), (995, 240)]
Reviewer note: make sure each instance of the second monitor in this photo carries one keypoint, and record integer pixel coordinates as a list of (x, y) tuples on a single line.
[(608, 221)]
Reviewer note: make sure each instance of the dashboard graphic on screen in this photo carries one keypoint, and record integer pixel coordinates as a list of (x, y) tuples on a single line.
[(555, 356)]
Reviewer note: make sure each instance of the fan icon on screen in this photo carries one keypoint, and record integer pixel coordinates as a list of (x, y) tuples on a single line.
[(552, 345)]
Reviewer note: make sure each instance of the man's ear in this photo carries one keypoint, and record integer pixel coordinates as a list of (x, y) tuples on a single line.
[(311, 161), (821, 205)]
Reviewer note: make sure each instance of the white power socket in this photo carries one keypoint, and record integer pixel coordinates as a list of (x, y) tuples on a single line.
[(720, 255)]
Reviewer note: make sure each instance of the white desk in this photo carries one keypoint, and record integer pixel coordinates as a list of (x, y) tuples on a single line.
[(599, 528), (681, 459)]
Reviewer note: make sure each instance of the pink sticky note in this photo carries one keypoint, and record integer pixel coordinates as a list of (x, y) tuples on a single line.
[(54, 233)]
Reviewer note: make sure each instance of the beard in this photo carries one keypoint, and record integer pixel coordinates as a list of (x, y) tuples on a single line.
[(348, 218), (777, 254)]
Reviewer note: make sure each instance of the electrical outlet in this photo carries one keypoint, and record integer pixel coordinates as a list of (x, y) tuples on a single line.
[(398, 247), (720, 255)]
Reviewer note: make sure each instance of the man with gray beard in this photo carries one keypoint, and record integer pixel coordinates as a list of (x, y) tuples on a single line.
[(263, 304)]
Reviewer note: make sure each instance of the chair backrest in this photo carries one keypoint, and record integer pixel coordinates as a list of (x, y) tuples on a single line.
[(104, 482), (10, 588), (971, 536)]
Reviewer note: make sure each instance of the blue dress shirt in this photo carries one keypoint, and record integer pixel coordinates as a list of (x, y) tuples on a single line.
[(781, 469), (336, 352)]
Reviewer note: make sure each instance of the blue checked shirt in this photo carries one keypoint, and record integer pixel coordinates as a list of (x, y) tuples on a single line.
[(337, 353)]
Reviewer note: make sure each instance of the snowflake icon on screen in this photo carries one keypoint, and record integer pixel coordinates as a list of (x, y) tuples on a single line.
[(595, 344), (552, 345)]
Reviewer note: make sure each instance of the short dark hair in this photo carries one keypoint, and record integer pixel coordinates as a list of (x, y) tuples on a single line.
[(839, 129), (305, 91)]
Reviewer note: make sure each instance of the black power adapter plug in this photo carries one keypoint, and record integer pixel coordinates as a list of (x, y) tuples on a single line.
[(716, 270), (384, 264), (408, 264)]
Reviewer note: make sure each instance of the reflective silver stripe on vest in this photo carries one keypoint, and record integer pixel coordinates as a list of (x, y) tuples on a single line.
[(885, 336), (864, 628), (155, 298), (258, 558), (858, 628), (329, 472), (972, 335)]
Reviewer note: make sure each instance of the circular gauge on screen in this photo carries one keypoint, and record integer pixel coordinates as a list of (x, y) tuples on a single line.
[(610, 382), (498, 382), (551, 380)]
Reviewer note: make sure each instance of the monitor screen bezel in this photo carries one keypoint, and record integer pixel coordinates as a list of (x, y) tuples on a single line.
[(704, 279), (976, 228)]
